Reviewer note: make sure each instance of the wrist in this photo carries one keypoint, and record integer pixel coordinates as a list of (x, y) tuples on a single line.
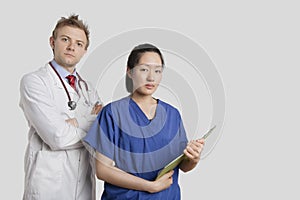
[(149, 186)]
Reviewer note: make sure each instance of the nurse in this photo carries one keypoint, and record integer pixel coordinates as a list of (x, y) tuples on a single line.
[(59, 107), (136, 136)]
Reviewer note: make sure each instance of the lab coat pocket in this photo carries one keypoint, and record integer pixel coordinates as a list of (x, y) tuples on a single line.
[(47, 175)]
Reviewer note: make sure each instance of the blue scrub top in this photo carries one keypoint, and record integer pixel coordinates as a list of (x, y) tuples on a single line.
[(137, 145)]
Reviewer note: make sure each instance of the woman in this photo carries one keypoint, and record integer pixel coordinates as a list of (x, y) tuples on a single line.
[(136, 136)]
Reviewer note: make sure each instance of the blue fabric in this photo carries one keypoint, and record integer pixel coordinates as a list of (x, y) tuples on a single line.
[(138, 145)]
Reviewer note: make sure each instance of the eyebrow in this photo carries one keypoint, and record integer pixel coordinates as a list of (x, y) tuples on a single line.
[(71, 38), (149, 65)]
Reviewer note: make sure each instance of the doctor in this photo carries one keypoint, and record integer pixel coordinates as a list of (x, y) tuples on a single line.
[(59, 110)]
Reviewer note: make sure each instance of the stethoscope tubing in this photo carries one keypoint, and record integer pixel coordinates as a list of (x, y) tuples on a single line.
[(71, 104)]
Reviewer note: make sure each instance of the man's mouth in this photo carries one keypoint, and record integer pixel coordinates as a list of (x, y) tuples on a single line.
[(68, 54)]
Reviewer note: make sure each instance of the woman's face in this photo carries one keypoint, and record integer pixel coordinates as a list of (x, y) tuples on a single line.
[(147, 74)]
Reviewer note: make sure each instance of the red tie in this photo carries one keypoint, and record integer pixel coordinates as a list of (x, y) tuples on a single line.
[(72, 80)]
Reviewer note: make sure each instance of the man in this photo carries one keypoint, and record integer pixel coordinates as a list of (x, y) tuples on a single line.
[(59, 109)]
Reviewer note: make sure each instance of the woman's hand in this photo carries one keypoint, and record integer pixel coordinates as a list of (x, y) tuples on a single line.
[(106, 171), (193, 150), (162, 183)]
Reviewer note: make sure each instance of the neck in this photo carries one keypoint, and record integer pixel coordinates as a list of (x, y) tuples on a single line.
[(142, 98), (146, 103), (69, 68)]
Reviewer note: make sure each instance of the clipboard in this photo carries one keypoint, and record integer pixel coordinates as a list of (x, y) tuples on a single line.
[(180, 158)]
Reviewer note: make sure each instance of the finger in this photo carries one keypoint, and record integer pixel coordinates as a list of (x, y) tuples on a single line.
[(69, 121), (98, 108), (72, 122), (194, 151), (167, 175), (197, 147), (201, 141), (198, 142), (191, 154), (170, 173), (194, 145), (188, 155), (76, 123)]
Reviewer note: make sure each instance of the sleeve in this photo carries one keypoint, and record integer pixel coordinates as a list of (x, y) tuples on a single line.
[(42, 113), (101, 136), (182, 133), (182, 136), (83, 113)]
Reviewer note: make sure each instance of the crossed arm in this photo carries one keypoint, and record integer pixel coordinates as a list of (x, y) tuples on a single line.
[(106, 171)]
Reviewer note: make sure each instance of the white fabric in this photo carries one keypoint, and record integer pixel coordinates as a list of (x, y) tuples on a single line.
[(57, 166)]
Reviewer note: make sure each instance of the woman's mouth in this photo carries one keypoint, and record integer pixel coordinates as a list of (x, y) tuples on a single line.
[(149, 86)]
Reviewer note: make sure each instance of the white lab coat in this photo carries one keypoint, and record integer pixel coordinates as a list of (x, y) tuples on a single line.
[(57, 165)]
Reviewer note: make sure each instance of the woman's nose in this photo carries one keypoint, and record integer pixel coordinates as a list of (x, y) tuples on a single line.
[(150, 76)]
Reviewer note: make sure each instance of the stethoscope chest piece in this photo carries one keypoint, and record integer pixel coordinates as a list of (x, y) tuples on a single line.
[(72, 105)]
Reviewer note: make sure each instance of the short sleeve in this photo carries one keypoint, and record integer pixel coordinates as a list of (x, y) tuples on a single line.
[(101, 134), (182, 135)]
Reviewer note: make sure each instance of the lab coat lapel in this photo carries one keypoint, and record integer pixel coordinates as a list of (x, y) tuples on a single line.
[(58, 84)]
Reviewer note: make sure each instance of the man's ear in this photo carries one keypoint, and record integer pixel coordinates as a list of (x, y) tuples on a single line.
[(51, 41)]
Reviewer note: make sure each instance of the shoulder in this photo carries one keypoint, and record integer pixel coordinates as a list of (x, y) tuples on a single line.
[(36, 76), (116, 106), (168, 107), (120, 104)]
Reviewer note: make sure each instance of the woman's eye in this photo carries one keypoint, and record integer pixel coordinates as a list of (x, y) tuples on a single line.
[(144, 70), (64, 39), (158, 71), (80, 44)]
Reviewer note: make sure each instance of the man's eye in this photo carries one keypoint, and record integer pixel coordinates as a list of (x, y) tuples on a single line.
[(80, 44), (64, 39), (144, 70), (158, 71)]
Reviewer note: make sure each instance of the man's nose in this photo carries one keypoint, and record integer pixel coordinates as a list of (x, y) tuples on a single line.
[(71, 46)]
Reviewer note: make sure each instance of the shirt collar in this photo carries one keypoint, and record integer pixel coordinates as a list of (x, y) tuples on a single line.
[(62, 71)]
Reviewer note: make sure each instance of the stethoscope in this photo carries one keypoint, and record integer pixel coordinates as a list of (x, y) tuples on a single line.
[(72, 104)]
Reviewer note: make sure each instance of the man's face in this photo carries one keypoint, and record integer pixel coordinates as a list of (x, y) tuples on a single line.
[(68, 47)]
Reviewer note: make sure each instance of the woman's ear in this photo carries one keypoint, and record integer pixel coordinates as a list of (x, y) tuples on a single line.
[(129, 72), (128, 80)]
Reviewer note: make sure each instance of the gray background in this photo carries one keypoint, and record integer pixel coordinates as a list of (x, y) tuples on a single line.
[(254, 45)]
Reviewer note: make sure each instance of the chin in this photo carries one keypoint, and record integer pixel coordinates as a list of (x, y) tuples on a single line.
[(149, 92), (144, 93)]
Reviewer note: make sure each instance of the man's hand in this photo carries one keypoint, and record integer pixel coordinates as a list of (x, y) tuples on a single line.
[(96, 109), (73, 122)]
